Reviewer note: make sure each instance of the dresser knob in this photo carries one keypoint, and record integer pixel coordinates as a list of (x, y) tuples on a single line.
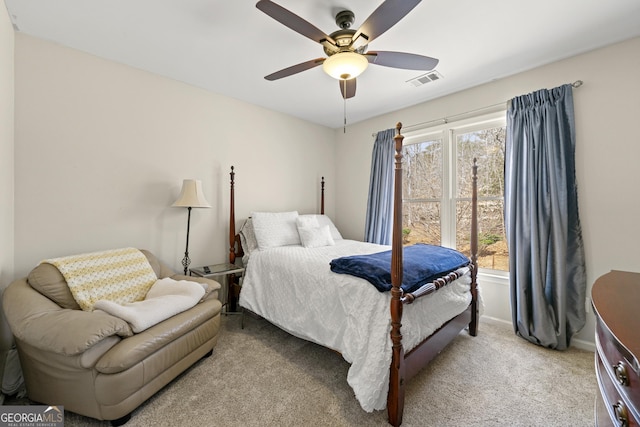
[(621, 414), (621, 373)]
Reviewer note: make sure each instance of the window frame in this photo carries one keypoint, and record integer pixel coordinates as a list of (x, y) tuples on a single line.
[(447, 132)]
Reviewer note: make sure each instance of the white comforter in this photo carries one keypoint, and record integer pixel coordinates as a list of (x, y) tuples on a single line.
[(294, 288)]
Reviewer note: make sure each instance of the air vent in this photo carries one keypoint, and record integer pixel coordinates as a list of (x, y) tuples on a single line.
[(431, 76)]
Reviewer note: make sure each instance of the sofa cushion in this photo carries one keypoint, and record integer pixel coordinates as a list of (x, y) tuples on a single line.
[(48, 280), (119, 275), (138, 347), (161, 269)]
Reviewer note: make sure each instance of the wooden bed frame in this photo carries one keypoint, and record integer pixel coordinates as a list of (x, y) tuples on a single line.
[(404, 366)]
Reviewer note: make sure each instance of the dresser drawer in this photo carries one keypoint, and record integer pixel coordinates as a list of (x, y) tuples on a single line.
[(615, 298), (618, 407), (619, 363)]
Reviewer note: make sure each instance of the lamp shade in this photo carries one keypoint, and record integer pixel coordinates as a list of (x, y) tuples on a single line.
[(345, 65), (191, 195)]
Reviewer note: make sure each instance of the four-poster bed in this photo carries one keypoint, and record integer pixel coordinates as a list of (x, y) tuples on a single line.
[(430, 324)]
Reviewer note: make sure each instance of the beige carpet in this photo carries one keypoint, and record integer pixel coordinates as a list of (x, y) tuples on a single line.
[(261, 376)]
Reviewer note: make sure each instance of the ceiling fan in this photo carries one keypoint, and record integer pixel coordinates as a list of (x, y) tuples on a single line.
[(346, 49)]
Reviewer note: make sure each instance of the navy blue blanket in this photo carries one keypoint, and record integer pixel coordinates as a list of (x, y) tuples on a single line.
[(422, 264)]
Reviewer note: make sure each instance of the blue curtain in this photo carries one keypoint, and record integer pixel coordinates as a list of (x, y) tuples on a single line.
[(546, 252), (379, 219)]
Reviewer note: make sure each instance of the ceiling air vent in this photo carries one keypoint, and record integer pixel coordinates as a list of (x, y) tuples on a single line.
[(431, 76)]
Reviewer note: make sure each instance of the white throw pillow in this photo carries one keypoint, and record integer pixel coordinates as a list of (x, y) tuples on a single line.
[(325, 220), (273, 229), (315, 237), (307, 221)]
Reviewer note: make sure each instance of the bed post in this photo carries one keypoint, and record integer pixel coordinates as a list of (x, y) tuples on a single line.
[(232, 221), (395, 398), (322, 196), (473, 325)]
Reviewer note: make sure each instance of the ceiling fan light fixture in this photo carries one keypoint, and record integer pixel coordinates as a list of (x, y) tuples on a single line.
[(345, 65)]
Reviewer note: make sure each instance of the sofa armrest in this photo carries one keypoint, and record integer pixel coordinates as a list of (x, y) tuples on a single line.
[(212, 284), (213, 287), (6, 337), (43, 324)]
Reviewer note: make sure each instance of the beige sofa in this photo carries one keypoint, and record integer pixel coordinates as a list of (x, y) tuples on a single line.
[(91, 362)]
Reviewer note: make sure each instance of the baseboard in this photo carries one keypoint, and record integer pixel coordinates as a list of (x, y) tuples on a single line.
[(494, 319), (583, 345), (580, 344)]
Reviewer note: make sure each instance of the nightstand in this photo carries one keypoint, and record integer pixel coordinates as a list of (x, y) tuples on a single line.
[(230, 273)]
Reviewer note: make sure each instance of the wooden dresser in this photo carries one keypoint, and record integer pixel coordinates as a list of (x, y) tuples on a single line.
[(616, 302)]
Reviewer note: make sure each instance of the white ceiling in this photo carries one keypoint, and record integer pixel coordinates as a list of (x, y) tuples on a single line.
[(229, 46)]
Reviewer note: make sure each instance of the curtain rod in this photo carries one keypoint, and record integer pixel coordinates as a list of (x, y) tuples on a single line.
[(445, 120)]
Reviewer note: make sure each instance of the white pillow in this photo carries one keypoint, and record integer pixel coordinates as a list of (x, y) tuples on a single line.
[(325, 220), (247, 239), (273, 229), (315, 237), (307, 221)]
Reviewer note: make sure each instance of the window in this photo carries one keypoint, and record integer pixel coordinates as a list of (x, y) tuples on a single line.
[(436, 200)]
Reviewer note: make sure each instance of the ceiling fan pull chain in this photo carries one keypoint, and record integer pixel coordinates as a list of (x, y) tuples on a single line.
[(344, 82)]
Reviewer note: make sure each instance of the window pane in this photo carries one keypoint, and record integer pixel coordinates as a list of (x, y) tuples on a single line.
[(492, 242), (488, 147), (422, 170), (421, 222), (437, 181)]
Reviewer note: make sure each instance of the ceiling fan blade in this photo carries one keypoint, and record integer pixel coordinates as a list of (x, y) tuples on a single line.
[(383, 18), (295, 69), (407, 61), (293, 21), (348, 88)]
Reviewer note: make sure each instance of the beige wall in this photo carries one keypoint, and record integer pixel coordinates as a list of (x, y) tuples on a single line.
[(102, 149), (6, 148), (607, 109)]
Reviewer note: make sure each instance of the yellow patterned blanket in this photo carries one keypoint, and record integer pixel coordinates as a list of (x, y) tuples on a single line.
[(118, 275)]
